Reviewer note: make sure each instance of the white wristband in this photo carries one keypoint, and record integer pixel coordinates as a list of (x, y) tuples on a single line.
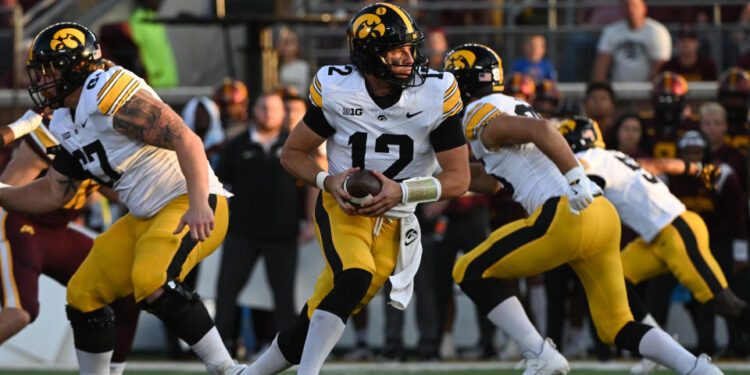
[(320, 179), (421, 189), (26, 124)]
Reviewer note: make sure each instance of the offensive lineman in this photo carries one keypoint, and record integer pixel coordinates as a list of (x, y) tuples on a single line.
[(48, 244), (569, 223), (388, 113), (114, 128)]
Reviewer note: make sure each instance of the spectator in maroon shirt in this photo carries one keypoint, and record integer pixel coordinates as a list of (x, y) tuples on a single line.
[(688, 62)]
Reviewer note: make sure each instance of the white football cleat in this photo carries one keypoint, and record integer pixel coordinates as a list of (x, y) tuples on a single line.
[(644, 367), (703, 366), (547, 362), (228, 368)]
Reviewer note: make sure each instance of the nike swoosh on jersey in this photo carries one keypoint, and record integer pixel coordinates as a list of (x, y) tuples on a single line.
[(410, 115)]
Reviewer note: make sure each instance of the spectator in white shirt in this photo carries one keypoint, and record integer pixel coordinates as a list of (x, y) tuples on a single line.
[(633, 49), (293, 70)]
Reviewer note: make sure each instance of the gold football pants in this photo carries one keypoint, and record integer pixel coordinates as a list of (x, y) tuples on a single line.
[(351, 241), (137, 256), (550, 237), (682, 249)]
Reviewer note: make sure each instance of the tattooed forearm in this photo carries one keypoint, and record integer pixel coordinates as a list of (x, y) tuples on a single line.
[(149, 120), (70, 185)]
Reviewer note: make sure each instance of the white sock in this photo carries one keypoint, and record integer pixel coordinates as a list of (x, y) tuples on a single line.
[(116, 368), (272, 361), (325, 330), (512, 319), (650, 321), (211, 350), (659, 347), (93, 363), (538, 305)]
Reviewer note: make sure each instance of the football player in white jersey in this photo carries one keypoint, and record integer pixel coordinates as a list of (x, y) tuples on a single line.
[(387, 113), (114, 128), (570, 222), (672, 239)]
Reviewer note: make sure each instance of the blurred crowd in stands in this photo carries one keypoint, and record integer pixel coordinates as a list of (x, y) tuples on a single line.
[(243, 133)]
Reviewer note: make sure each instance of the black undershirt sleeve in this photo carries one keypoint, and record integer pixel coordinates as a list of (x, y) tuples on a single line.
[(315, 120), (447, 135)]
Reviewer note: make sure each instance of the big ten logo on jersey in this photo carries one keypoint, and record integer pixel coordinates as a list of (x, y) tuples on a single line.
[(352, 112)]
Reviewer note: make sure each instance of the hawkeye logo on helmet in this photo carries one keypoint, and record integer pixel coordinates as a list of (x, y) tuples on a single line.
[(462, 59), (67, 38), (567, 127), (369, 24)]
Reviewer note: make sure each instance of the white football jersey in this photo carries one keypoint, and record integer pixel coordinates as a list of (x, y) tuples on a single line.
[(394, 140), (523, 169), (145, 177), (643, 201)]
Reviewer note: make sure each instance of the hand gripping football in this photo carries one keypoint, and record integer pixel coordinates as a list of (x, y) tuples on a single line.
[(362, 185)]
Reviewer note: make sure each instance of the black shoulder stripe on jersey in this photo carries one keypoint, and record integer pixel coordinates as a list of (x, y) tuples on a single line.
[(448, 135), (316, 121)]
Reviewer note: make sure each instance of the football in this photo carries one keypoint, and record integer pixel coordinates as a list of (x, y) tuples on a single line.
[(362, 185)]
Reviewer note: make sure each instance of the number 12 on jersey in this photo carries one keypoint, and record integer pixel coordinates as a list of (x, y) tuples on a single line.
[(405, 144)]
